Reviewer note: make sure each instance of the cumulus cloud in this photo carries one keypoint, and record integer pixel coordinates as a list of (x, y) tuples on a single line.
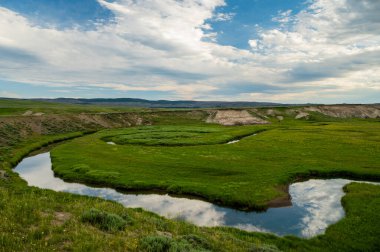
[(330, 43), (284, 17), (223, 16), (252, 43), (332, 46)]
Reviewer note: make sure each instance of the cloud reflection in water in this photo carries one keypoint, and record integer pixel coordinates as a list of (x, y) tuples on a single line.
[(316, 203)]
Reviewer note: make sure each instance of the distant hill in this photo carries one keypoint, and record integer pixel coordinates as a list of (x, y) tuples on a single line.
[(133, 102)]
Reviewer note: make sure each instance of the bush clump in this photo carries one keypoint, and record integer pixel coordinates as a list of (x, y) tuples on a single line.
[(155, 244), (264, 248), (197, 241), (166, 244), (104, 220)]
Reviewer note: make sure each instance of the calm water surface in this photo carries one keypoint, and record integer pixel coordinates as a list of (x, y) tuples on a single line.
[(315, 203)]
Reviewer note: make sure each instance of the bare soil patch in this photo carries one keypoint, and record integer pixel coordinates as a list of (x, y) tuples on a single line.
[(234, 117)]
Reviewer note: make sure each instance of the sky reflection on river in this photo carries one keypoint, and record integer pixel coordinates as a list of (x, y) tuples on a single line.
[(316, 203)]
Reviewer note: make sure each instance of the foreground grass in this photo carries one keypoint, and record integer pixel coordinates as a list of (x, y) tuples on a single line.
[(195, 161), (42, 220)]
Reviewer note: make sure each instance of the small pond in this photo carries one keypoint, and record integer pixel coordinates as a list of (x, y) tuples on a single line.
[(316, 203)]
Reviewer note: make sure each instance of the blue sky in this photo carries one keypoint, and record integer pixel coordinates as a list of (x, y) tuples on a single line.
[(297, 51), (248, 16), (62, 14), (66, 14)]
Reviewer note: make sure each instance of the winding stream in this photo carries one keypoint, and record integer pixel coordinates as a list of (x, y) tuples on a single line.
[(316, 203)]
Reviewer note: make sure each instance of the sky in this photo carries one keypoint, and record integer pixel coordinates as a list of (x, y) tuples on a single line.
[(289, 51)]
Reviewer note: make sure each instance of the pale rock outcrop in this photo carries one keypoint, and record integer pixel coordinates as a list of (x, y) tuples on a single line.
[(234, 117)]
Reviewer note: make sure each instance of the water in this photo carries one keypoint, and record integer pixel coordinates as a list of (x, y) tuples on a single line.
[(234, 141), (315, 203), (238, 140)]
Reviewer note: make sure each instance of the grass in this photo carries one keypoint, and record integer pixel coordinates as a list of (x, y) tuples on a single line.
[(33, 219), (31, 222), (179, 135), (18, 107), (194, 160)]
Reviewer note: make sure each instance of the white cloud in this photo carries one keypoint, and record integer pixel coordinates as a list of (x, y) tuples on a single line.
[(168, 46), (223, 16), (284, 17), (252, 43), (9, 94)]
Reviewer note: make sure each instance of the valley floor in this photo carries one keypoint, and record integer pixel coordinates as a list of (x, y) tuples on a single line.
[(33, 219)]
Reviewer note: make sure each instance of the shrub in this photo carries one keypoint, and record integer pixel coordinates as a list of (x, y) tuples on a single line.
[(264, 248), (197, 241), (103, 220), (155, 244), (166, 244)]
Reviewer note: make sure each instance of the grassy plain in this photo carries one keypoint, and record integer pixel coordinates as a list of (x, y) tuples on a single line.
[(19, 107), (195, 160), (33, 219), (42, 220)]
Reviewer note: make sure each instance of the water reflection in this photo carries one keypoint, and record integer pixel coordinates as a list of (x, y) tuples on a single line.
[(316, 203), (234, 141)]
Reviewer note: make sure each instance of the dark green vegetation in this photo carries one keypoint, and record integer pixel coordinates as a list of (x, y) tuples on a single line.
[(104, 220), (178, 135), (195, 160), (183, 243), (32, 219)]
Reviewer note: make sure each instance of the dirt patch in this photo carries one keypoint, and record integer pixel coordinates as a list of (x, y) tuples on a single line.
[(166, 234), (4, 174), (28, 113), (302, 115), (272, 112), (60, 218), (233, 117), (31, 113), (284, 201)]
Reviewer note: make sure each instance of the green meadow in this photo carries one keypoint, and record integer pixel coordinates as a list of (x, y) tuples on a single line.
[(196, 161)]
